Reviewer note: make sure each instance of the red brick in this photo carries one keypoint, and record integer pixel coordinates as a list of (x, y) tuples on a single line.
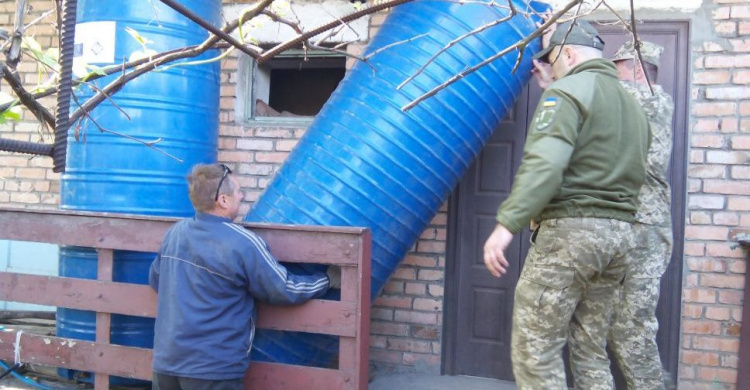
[(745, 126), (729, 361), (425, 274), (409, 345), (694, 186), (415, 317), (723, 281), (228, 156), (389, 328), (741, 142), (286, 145), (254, 144), (717, 375), (726, 29), (393, 287), (378, 341), (686, 373), (706, 265), (718, 313), (440, 219), (264, 132), (727, 93), (706, 125), (710, 77), (706, 233), (740, 12), (738, 267), (706, 202), (727, 187), (691, 281), (420, 261), (700, 358), (740, 45), (415, 288), (697, 156), (745, 220), (425, 332), (744, 28), (378, 313), (731, 297), (435, 290), (707, 141), (737, 314), (726, 219), (393, 301), (732, 329), (695, 249), (740, 172), (692, 311), (700, 218), (417, 359), (716, 343), (427, 304), (385, 356), (24, 197), (702, 327), (714, 109), (745, 108), (721, 157), (271, 157), (431, 246), (739, 203), (428, 234), (404, 273), (707, 171), (699, 295)]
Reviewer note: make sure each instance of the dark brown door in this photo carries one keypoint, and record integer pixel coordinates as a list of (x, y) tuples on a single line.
[(478, 307), (484, 303)]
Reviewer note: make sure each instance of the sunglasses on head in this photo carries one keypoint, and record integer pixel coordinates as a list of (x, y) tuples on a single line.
[(223, 176)]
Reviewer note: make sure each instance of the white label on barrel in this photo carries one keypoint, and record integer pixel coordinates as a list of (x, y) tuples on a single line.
[(95, 42)]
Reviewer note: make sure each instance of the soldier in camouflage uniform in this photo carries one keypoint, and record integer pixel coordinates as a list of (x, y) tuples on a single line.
[(582, 168), (633, 333)]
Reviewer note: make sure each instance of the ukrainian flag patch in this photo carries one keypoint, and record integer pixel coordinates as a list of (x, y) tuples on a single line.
[(546, 114), (549, 102)]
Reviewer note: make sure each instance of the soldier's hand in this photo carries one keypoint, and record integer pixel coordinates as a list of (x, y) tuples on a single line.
[(494, 251), (542, 72)]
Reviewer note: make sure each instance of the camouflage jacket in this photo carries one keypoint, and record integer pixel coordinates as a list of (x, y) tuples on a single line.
[(655, 199)]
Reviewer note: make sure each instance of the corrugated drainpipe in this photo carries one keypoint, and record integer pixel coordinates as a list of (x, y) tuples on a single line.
[(62, 118)]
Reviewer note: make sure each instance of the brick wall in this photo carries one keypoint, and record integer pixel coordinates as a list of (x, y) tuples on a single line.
[(26, 181), (718, 201)]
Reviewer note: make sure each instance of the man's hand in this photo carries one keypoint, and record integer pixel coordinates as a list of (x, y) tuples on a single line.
[(334, 276), (494, 251), (543, 74)]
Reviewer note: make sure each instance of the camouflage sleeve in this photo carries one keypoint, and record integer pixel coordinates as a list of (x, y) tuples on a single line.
[(549, 146)]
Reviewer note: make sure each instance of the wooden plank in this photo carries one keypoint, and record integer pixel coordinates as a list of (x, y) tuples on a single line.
[(82, 294), (312, 244), (128, 362), (274, 376), (316, 316), (104, 271)]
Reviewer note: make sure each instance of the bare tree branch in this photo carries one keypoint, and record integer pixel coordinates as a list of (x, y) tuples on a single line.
[(637, 45), (452, 43), (520, 46), (14, 53)]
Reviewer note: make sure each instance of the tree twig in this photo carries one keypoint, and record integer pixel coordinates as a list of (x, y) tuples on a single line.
[(520, 45), (450, 44), (41, 113), (637, 45)]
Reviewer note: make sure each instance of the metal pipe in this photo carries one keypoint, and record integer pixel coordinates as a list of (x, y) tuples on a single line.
[(9, 145), (221, 34), (62, 119)]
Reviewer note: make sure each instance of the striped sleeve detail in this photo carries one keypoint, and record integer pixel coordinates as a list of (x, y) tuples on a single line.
[(278, 269)]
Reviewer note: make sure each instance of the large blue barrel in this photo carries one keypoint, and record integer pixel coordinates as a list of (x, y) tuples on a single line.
[(112, 173), (365, 162)]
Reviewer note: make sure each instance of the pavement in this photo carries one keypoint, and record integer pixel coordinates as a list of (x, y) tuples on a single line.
[(394, 381)]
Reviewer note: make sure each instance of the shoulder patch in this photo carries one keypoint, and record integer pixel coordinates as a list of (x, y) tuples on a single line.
[(546, 113)]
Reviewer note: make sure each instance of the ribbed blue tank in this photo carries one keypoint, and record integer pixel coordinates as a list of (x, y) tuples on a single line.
[(110, 173), (365, 162)]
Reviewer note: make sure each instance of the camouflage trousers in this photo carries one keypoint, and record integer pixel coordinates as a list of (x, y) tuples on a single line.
[(566, 293), (632, 336)]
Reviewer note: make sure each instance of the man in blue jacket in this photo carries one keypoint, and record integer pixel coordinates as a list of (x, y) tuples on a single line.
[(208, 274)]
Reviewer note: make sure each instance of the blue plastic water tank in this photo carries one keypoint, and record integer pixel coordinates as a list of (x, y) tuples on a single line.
[(365, 162), (111, 173)]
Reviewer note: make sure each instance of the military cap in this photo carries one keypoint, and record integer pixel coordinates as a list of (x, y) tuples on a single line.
[(582, 33), (650, 52)]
